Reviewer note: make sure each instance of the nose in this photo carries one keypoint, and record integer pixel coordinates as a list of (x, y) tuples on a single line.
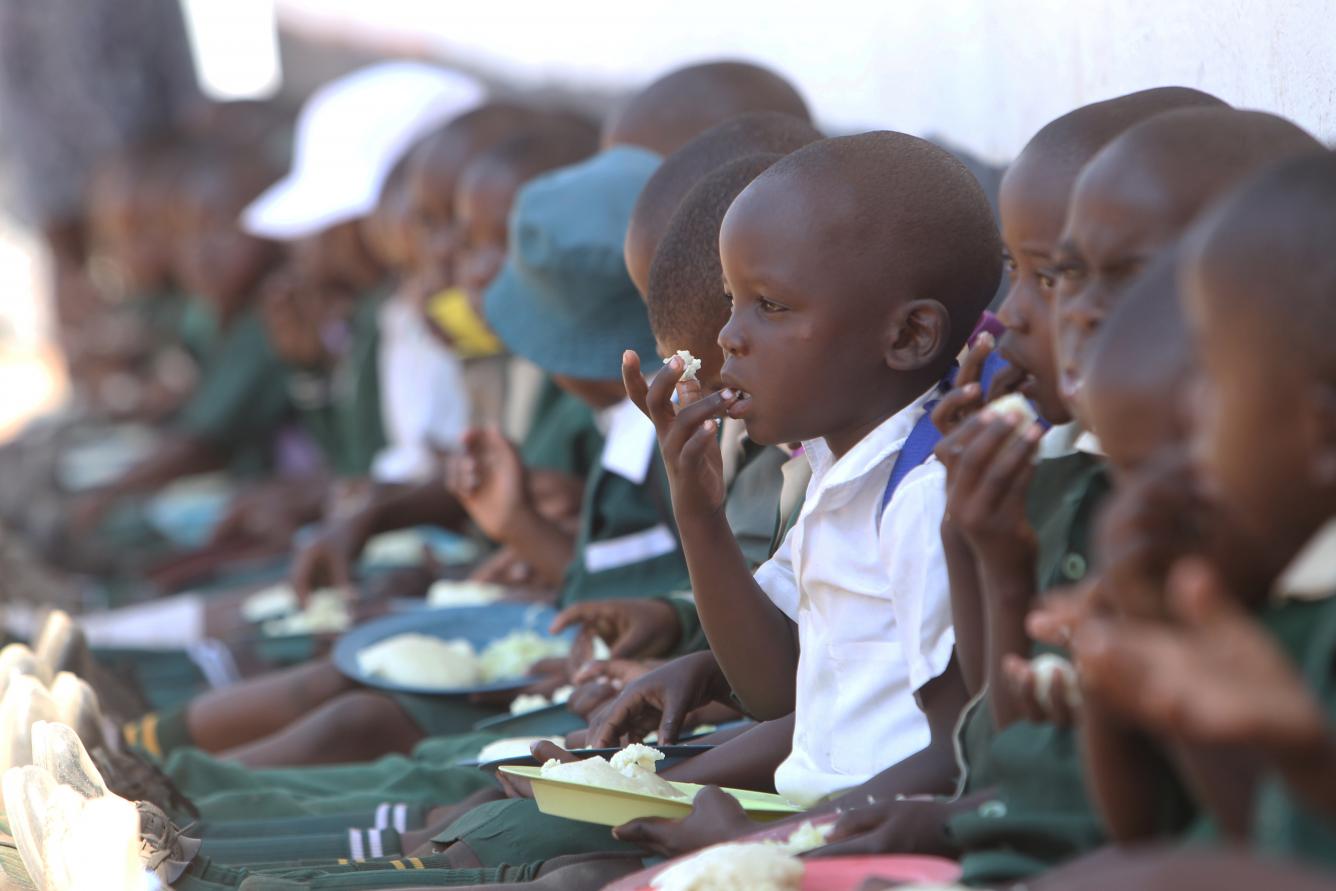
[(731, 339), (1010, 313)]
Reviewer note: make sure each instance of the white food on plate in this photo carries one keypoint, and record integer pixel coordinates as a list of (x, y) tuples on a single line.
[(513, 655), (631, 770), (513, 747), (456, 593), (420, 660), (756, 867)]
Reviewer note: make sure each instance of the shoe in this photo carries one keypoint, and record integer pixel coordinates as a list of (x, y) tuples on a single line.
[(164, 849), (57, 750), (77, 703), (71, 843), (133, 778), (26, 701), (61, 646), (16, 657)]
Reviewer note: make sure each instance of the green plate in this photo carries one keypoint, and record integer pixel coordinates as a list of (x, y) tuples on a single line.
[(613, 807)]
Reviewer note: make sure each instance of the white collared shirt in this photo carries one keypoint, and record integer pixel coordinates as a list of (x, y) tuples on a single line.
[(424, 400), (868, 590), (1311, 575)]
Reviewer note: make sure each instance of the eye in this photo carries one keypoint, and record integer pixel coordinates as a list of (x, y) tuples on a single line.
[(1047, 278), (1008, 262), (768, 306), (1069, 271)]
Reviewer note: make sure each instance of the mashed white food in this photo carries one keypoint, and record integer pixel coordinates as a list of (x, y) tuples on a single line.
[(532, 702), (1015, 407), (756, 867), (463, 593), (631, 770), (808, 837), (420, 660), (690, 364), (1055, 675), (514, 747), (513, 655)]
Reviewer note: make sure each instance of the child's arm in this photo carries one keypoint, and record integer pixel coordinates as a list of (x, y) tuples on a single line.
[(989, 465), (967, 610), (491, 483), (753, 641), (1213, 680)]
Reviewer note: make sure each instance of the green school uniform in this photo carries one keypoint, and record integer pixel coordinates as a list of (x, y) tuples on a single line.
[(616, 509), (341, 410), (1040, 814), (241, 397), (562, 434), (1283, 825)]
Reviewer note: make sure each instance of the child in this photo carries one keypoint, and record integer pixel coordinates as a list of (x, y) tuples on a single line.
[(1034, 196), (239, 400), (1217, 678), (1129, 201), (882, 591)]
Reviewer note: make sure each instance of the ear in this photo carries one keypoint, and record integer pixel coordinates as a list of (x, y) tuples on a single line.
[(1323, 426), (916, 335)]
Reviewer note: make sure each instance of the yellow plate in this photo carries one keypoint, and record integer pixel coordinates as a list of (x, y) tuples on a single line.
[(613, 807)]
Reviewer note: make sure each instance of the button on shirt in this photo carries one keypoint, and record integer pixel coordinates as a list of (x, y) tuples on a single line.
[(868, 591)]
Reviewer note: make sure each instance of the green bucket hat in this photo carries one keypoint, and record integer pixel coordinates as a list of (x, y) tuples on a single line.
[(564, 299)]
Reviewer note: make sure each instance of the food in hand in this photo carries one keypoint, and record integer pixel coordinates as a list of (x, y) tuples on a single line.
[(690, 364), (1015, 408)]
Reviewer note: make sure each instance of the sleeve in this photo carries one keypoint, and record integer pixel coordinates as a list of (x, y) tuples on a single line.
[(242, 392), (911, 550), (776, 578)]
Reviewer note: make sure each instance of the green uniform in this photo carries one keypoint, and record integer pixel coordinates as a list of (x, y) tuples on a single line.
[(1283, 825), (341, 410), (1040, 813), (562, 435), (241, 398)]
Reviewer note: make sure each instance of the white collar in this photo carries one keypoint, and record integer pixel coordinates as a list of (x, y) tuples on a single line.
[(870, 452), (1312, 574), (1059, 441), (1089, 443), (629, 441)]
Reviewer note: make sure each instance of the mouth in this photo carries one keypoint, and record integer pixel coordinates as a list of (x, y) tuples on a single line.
[(1026, 383), (739, 407)]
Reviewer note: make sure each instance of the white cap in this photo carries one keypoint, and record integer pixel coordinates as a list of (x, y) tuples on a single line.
[(350, 134)]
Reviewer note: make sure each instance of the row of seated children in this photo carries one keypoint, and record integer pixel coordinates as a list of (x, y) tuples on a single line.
[(894, 627)]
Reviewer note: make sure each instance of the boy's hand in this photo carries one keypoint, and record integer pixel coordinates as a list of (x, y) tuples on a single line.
[(258, 515), (328, 558), (687, 433), (661, 700), (715, 817), (632, 628), (1215, 678), (892, 826), (989, 467), (1047, 693), (966, 397), (488, 478)]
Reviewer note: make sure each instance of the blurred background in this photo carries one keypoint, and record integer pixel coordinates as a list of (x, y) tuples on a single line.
[(81, 78)]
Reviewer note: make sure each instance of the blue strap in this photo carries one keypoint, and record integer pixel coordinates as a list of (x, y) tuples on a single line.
[(925, 435)]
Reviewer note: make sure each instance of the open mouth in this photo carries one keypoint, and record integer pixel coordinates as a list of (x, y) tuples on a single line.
[(738, 409)]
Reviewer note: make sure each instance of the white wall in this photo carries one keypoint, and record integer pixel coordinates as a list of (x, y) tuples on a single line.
[(984, 73)]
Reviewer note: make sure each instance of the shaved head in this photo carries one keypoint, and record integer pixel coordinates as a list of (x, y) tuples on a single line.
[(902, 218), (672, 110), (1048, 166), (761, 132), (1181, 160), (1265, 259)]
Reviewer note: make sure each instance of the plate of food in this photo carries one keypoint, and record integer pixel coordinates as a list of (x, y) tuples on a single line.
[(671, 755), (454, 651), (625, 787), (766, 866)]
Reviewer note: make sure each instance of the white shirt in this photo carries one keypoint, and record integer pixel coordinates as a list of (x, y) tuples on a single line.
[(869, 593), (423, 399)]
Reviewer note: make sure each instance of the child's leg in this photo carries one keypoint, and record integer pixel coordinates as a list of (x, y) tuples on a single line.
[(355, 726), (225, 719)]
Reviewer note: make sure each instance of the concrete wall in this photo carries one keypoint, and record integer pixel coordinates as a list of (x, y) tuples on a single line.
[(983, 73)]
